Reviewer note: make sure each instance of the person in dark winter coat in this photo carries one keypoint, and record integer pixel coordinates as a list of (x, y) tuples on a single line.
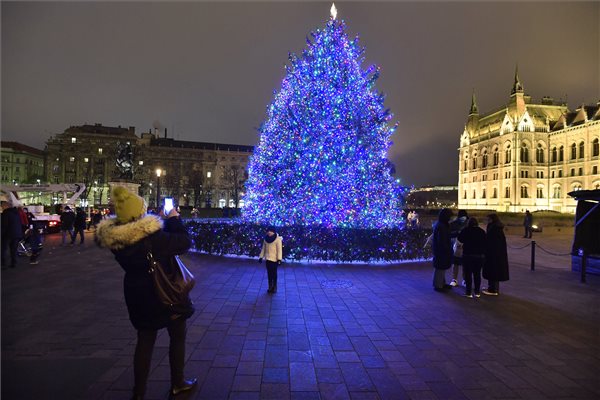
[(495, 269), (473, 239), (79, 225), (455, 227), (528, 224), (12, 232), (130, 236), (67, 220), (442, 250), (272, 250)]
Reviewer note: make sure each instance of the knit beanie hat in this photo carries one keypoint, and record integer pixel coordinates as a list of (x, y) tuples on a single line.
[(128, 206)]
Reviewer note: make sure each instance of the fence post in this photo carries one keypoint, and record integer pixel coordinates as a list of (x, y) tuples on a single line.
[(533, 255), (583, 266)]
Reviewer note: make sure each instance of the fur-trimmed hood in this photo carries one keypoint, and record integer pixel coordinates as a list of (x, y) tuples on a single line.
[(116, 236)]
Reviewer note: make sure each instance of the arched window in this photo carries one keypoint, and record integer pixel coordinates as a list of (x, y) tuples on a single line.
[(507, 192), (495, 193), (554, 154), (539, 154), (573, 151), (557, 192), (539, 192), (484, 159), (497, 155), (524, 153), (561, 154), (524, 192), (581, 149), (595, 148), (474, 163), (507, 155), (577, 186)]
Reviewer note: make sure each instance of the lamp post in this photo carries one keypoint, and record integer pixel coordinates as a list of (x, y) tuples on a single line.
[(158, 174)]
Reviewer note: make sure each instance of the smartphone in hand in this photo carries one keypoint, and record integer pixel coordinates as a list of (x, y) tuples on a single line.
[(168, 205)]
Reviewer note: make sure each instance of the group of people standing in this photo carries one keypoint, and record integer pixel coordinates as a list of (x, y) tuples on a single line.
[(463, 243)]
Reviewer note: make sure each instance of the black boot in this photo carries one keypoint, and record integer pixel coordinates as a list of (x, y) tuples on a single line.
[(270, 289), (274, 288)]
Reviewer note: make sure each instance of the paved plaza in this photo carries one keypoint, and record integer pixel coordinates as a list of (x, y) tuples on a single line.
[(331, 332)]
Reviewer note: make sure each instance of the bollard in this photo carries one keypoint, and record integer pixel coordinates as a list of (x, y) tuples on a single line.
[(583, 266), (533, 255)]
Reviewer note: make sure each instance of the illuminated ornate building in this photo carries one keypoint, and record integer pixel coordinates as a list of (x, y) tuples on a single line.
[(528, 155), (20, 163), (194, 173)]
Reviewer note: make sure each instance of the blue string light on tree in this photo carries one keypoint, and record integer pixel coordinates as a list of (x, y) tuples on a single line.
[(321, 159)]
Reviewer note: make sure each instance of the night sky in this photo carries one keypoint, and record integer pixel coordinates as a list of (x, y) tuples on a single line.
[(206, 71)]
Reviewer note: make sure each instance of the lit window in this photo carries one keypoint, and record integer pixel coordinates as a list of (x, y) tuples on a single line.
[(85, 159), (208, 174), (141, 163), (100, 150), (71, 159), (73, 140)]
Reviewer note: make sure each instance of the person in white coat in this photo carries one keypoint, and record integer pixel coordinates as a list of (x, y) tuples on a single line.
[(272, 252)]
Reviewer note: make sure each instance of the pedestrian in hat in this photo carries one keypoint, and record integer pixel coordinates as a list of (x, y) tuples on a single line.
[(272, 251), (130, 236)]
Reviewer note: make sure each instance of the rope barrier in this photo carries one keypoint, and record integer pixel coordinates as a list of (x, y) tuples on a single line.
[(551, 253), (518, 248)]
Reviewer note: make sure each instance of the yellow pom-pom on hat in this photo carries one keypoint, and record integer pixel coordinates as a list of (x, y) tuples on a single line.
[(128, 205)]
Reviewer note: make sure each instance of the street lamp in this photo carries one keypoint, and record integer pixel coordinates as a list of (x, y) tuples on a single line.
[(158, 174)]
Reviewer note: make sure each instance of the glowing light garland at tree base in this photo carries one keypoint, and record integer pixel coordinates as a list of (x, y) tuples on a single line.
[(341, 245)]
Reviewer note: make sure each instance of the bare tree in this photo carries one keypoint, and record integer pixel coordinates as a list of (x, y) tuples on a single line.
[(234, 181), (196, 186)]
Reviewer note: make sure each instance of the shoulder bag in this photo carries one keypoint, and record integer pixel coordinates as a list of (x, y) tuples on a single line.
[(172, 285)]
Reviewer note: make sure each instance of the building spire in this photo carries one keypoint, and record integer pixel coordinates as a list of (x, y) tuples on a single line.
[(474, 109), (517, 86)]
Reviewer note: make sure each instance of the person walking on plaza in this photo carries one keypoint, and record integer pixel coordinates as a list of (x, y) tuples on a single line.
[(79, 225), (473, 239), (495, 268), (272, 251), (455, 227), (130, 236), (12, 231), (67, 220), (528, 224), (442, 250)]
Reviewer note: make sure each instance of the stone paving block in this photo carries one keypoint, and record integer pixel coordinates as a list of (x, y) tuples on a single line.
[(303, 377), (249, 368), (333, 391), (217, 384), (356, 377), (275, 391), (244, 396), (306, 396), (275, 375), (246, 383), (347, 356), (276, 356), (364, 396), (422, 395)]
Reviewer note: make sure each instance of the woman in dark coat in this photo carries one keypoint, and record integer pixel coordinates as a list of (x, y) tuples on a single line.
[(473, 239), (130, 236), (495, 269), (442, 250)]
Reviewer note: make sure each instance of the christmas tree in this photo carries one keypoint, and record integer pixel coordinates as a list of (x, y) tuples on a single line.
[(321, 159)]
